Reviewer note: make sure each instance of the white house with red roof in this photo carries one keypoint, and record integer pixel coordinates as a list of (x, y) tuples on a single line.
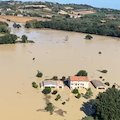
[(78, 82)]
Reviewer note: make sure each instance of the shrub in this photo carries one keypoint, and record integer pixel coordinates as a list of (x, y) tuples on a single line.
[(49, 108), (57, 97), (104, 71), (88, 37), (54, 92), (54, 78), (81, 73), (107, 83), (75, 91), (63, 103), (47, 90), (39, 74), (78, 95), (34, 85)]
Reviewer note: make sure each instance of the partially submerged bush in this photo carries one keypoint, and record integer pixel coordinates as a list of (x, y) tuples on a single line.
[(39, 74), (100, 52), (34, 85), (57, 97), (47, 90), (100, 77), (63, 103), (75, 91), (104, 71), (107, 83), (88, 37), (55, 78), (54, 92), (78, 95)]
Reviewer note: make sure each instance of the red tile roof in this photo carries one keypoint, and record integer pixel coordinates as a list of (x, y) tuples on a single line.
[(79, 78)]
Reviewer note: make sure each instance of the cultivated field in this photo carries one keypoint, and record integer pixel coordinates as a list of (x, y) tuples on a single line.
[(83, 12), (20, 19)]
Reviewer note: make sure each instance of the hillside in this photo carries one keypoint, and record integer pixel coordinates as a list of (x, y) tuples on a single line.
[(49, 9)]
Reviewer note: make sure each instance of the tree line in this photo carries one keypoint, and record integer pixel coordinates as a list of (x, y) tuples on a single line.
[(8, 39), (84, 25)]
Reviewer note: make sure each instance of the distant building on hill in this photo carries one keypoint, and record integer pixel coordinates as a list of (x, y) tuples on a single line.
[(75, 16), (78, 82)]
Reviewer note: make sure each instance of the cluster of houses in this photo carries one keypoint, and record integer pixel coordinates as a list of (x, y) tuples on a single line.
[(73, 82)]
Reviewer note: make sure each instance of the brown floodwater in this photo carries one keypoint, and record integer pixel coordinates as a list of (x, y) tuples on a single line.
[(53, 56)]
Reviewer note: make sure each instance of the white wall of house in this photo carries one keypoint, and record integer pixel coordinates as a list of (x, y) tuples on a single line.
[(79, 84)]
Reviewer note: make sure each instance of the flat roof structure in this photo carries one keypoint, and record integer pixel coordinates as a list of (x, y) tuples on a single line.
[(52, 83), (98, 84)]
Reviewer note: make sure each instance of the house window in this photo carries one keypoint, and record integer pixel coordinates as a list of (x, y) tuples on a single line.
[(82, 84)]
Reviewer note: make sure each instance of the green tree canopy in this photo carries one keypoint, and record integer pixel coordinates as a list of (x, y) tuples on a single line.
[(47, 90), (107, 105), (81, 73), (75, 91)]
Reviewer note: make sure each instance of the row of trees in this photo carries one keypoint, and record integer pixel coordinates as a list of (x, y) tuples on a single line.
[(77, 25), (8, 39)]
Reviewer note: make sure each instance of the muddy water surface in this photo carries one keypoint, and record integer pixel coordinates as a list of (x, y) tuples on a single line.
[(53, 56)]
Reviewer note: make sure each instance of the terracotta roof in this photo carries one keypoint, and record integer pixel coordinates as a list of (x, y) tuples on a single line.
[(79, 78)]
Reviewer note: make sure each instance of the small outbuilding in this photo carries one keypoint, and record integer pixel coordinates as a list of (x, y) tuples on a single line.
[(98, 84), (52, 84)]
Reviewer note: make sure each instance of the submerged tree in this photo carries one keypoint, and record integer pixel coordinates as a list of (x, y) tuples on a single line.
[(39, 74), (89, 93), (50, 108), (24, 38), (89, 37)]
